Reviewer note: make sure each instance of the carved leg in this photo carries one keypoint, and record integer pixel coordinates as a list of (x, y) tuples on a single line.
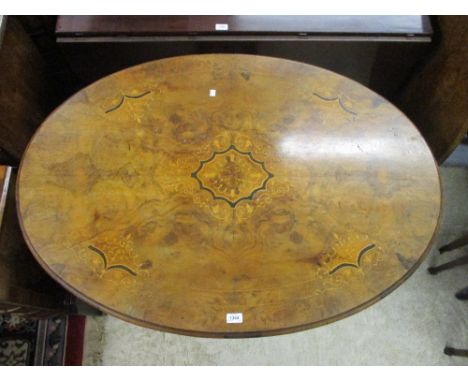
[(459, 352), (462, 294), (460, 242), (450, 264)]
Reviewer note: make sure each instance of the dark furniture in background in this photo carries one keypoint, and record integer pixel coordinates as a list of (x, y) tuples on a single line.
[(34, 79), (23, 90), (436, 96), (378, 51)]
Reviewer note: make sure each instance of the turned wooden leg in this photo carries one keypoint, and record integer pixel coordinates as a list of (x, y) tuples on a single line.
[(462, 294), (459, 352), (460, 242), (448, 265)]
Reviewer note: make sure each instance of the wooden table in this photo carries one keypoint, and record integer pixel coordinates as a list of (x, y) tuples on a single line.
[(228, 196)]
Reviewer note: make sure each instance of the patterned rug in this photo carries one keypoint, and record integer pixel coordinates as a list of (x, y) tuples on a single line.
[(27, 342)]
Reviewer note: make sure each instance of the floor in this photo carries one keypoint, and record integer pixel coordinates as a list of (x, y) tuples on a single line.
[(409, 327)]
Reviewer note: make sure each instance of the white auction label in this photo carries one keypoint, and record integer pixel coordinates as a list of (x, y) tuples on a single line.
[(212, 92), (221, 27), (234, 318)]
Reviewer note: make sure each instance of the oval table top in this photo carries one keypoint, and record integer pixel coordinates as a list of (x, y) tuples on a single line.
[(228, 195)]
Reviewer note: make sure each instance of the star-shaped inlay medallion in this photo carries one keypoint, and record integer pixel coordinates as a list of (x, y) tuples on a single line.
[(232, 175)]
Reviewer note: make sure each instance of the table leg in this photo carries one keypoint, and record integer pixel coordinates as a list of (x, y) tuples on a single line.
[(458, 352), (460, 242), (448, 265), (462, 294)]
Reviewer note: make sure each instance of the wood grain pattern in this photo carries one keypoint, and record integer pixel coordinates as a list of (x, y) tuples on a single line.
[(294, 196)]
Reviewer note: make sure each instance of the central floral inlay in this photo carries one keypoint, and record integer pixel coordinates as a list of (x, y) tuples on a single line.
[(232, 175)]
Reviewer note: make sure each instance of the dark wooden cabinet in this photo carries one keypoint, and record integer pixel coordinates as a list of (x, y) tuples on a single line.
[(299, 25), (23, 91), (436, 95), (377, 51)]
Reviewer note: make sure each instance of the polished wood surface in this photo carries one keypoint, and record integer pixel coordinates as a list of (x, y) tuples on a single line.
[(435, 98), (68, 25), (176, 192)]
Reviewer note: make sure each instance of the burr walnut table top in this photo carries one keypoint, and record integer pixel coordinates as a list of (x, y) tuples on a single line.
[(228, 195)]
